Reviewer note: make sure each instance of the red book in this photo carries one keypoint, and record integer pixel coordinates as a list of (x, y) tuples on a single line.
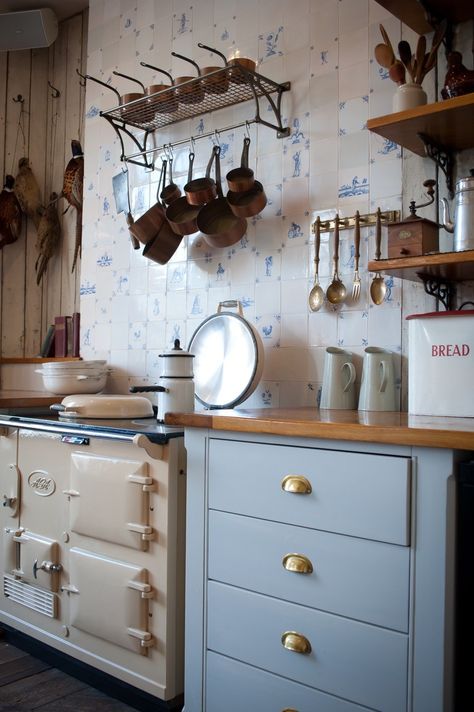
[(76, 334), (60, 337)]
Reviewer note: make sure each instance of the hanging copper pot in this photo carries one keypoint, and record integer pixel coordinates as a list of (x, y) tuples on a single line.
[(240, 179), (200, 191), (180, 214)]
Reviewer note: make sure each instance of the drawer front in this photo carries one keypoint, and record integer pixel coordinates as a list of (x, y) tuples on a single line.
[(235, 687), (351, 493), (358, 662), (358, 578)]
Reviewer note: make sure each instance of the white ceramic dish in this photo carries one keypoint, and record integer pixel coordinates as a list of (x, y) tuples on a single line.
[(66, 384), (105, 406)]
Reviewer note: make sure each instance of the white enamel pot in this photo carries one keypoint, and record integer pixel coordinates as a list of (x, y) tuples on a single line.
[(177, 363)]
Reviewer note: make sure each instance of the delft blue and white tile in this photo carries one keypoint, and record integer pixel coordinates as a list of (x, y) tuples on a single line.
[(216, 295), (384, 328), (323, 93), (118, 334), (268, 265), (294, 296), (163, 10), (243, 267), (245, 294), (353, 15), (274, 197), (352, 328), (138, 278), (176, 307), (295, 166), (136, 362), (296, 35), (324, 31), (145, 13), (196, 303), (353, 115), (383, 148), (267, 297), (138, 307), (156, 307), (324, 123), (119, 308), (295, 394), (386, 178), (294, 262), (268, 326), (175, 330), (353, 82), (156, 335), (220, 271), (104, 285), (268, 234), (102, 338), (353, 183), (353, 48), (323, 190), (144, 48), (153, 366), (176, 277), (322, 329), (157, 277), (197, 274), (294, 330), (121, 285), (266, 395), (393, 293)]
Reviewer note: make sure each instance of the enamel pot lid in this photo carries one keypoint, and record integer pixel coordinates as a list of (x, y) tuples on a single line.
[(229, 358), (104, 406)]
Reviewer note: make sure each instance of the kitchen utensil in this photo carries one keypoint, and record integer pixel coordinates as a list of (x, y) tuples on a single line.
[(131, 112), (405, 53), (356, 278), (438, 36), (64, 383), (240, 66), (121, 192), (338, 390), (214, 80), (180, 214), (171, 191), (103, 406), (249, 203), (336, 292), (148, 225), (463, 225), (176, 389), (386, 38), (219, 225), (229, 357), (166, 101), (419, 59), (316, 295), (200, 191), (377, 388), (242, 178), (384, 55), (188, 91), (397, 73), (164, 244), (378, 288)]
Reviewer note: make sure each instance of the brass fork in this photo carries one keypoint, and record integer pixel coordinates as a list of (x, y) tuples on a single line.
[(356, 278)]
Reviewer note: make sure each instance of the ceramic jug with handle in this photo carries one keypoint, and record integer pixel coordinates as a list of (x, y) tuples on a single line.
[(377, 388), (338, 390)]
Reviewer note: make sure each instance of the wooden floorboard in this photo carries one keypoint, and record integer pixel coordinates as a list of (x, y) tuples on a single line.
[(27, 684)]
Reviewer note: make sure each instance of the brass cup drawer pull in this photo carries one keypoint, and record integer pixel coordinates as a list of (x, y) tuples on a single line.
[(296, 642), (298, 563), (296, 484)]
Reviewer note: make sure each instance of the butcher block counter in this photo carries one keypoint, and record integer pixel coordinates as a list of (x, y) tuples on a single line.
[(371, 427), (321, 560)]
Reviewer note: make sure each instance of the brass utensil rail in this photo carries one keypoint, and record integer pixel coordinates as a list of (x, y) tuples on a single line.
[(149, 113), (365, 221)]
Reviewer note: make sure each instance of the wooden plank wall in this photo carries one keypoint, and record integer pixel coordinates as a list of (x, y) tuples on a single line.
[(48, 124)]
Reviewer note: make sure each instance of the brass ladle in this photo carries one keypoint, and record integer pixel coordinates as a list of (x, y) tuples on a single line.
[(316, 295), (336, 292), (378, 288)]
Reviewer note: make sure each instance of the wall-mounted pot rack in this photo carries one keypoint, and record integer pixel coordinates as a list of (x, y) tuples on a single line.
[(155, 111), (366, 220)]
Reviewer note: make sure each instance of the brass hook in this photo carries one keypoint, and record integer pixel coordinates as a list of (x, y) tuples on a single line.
[(55, 93)]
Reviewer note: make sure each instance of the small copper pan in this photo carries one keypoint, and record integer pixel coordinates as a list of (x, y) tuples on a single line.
[(188, 90), (171, 191), (241, 179), (201, 190), (147, 227), (249, 203), (161, 97), (180, 214), (218, 224), (130, 112), (243, 66), (214, 79), (165, 243)]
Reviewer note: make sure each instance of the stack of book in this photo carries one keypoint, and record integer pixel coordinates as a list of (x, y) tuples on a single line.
[(63, 337)]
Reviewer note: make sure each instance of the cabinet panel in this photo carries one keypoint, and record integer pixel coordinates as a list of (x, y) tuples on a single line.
[(351, 493), (361, 579), (246, 688), (356, 661)]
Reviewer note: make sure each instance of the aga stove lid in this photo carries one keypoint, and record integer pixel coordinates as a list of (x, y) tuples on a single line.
[(104, 406)]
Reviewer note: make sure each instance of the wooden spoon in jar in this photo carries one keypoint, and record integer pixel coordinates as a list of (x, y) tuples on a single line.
[(384, 55)]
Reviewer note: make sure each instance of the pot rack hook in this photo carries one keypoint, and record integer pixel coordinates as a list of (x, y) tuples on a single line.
[(247, 129), (192, 144), (55, 92), (216, 138), (83, 78), (19, 99)]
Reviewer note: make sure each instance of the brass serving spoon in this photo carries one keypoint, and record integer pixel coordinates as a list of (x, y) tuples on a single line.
[(336, 292), (378, 288), (316, 295)]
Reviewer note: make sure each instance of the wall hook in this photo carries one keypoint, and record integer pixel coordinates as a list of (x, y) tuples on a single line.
[(83, 78), (55, 93), (19, 99)]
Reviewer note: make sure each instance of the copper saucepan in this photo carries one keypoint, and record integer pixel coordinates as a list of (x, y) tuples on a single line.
[(249, 202), (163, 246), (180, 214), (147, 227), (240, 179), (171, 191), (130, 112), (201, 190), (243, 66), (218, 224), (214, 79), (188, 90), (161, 97)]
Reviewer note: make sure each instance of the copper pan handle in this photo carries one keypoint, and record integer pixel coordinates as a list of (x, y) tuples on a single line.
[(214, 51), (132, 79), (157, 69), (186, 59)]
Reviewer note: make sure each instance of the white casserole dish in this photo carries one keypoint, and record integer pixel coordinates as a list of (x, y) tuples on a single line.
[(104, 406)]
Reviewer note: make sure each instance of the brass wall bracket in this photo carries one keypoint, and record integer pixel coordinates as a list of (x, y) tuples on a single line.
[(387, 216)]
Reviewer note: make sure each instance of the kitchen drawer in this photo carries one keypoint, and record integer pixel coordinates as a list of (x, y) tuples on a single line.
[(367, 580), (236, 687), (358, 494), (356, 661)]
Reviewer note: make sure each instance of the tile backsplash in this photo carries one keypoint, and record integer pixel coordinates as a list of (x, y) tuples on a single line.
[(131, 308)]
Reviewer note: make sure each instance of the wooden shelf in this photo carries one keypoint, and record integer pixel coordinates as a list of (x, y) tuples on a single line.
[(442, 266), (38, 359), (448, 124), (412, 14)]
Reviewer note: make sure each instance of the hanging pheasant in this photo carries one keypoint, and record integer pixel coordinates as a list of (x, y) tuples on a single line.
[(28, 191), (49, 234), (72, 191), (10, 213)]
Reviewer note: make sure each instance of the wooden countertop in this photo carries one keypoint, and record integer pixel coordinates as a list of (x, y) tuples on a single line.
[(387, 427), (27, 399)]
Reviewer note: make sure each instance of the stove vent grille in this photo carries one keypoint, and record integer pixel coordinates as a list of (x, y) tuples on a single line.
[(30, 596)]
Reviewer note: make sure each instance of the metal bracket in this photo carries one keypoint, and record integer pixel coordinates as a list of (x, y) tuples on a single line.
[(443, 158), (444, 291), (365, 221)]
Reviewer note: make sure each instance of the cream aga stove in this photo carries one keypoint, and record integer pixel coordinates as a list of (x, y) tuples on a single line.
[(92, 550)]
